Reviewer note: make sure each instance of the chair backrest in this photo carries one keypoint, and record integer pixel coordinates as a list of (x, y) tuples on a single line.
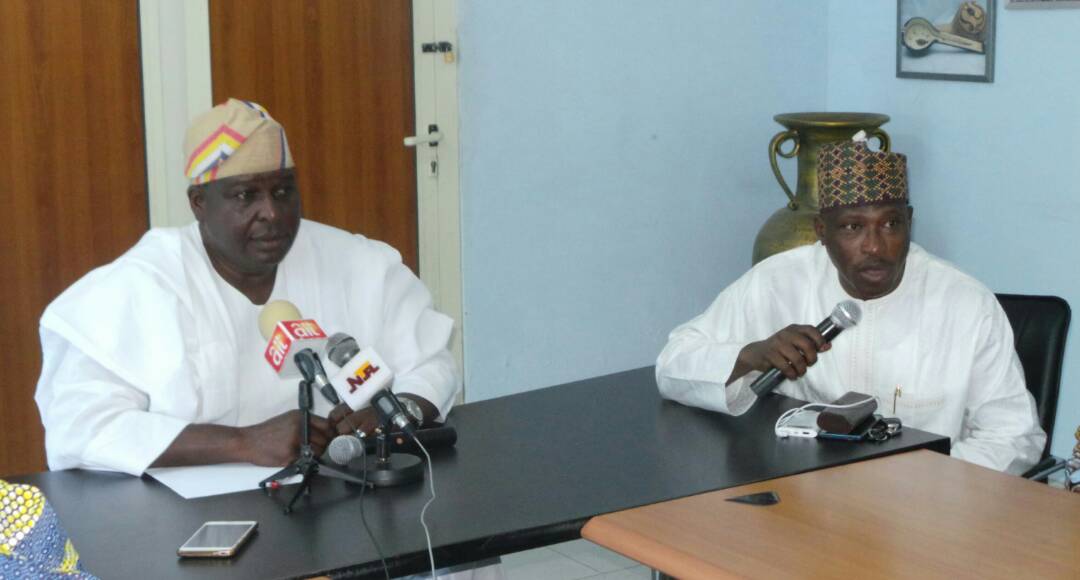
[(1040, 325)]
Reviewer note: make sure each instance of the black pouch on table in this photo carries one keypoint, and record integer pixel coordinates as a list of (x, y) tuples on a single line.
[(844, 421)]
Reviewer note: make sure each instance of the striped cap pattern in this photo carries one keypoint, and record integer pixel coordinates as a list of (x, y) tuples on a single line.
[(235, 138)]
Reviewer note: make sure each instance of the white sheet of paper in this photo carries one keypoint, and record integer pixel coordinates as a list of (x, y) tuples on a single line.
[(207, 480)]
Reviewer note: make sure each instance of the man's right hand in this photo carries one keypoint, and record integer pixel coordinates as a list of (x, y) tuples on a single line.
[(272, 443), (792, 350), (345, 421), (276, 441)]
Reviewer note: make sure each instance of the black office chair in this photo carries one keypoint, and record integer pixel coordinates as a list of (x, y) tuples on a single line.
[(1040, 325)]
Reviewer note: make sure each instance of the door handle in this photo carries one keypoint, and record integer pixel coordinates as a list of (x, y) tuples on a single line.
[(432, 138)]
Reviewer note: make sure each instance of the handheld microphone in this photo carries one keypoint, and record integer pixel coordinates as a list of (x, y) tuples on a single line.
[(287, 334), (345, 448), (391, 412), (362, 372), (340, 348), (845, 315), (312, 369), (385, 468)]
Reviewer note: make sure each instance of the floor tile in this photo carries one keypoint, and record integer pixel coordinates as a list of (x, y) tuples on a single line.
[(594, 556), (530, 557), (543, 564), (638, 572)]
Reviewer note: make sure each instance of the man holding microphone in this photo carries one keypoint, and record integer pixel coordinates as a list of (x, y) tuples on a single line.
[(933, 344)]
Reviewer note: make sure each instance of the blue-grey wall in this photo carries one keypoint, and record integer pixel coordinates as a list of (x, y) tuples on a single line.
[(614, 171), (994, 168)]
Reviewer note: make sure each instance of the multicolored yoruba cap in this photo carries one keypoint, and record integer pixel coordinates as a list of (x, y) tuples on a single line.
[(850, 174), (234, 138)]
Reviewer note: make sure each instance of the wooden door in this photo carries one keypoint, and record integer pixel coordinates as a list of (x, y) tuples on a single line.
[(74, 177), (338, 74)]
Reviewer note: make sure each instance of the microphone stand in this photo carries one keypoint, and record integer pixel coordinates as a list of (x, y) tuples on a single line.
[(307, 464), (388, 469)]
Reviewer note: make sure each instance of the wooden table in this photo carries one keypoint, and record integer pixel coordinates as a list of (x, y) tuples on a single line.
[(913, 515)]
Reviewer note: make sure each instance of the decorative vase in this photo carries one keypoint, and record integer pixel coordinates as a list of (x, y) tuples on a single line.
[(793, 224)]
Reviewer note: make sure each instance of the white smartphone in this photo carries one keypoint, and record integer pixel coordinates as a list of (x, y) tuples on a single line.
[(217, 539), (802, 424)]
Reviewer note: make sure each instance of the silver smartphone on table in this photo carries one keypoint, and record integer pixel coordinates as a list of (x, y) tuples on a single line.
[(217, 539)]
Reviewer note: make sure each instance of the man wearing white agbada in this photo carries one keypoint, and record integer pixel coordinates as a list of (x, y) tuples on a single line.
[(156, 359), (933, 344)]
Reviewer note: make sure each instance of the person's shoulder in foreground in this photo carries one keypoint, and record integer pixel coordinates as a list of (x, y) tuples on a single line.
[(33, 543), (865, 253)]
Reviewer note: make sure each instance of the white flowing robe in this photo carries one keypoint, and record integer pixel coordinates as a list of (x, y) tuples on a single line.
[(138, 349), (937, 352)]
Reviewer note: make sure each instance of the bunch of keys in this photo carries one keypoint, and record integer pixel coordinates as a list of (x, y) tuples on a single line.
[(1072, 469)]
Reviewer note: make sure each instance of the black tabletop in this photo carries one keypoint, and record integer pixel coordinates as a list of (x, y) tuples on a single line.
[(528, 470)]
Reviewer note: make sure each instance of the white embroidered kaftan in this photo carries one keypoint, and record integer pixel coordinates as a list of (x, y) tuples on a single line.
[(939, 347), (138, 349)]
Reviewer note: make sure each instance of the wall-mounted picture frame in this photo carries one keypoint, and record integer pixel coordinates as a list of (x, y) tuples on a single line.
[(1043, 4), (945, 40)]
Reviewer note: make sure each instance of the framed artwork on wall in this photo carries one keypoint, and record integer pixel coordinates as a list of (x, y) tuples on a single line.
[(945, 40), (1042, 3)]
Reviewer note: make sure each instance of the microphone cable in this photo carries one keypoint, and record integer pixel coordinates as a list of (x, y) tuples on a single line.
[(363, 520), (789, 415), (423, 511)]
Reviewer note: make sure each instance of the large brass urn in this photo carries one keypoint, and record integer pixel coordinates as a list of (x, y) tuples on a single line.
[(793, 224)]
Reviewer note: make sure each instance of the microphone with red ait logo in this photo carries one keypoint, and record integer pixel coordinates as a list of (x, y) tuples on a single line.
[(362, 372), (292, 344)]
